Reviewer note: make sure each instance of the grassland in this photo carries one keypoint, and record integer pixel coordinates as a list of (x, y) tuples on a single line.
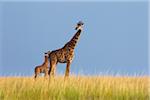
[(75, 88)]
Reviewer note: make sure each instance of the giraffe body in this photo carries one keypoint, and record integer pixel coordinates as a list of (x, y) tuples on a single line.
[(61, 55), (42, 68)]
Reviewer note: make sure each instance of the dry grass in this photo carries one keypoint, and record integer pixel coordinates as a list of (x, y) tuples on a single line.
[(75, 88)]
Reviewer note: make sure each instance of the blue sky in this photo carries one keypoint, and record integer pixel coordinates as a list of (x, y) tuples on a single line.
[(114, 40)]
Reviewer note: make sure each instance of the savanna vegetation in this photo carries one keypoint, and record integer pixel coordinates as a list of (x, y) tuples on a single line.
[(75, 88)]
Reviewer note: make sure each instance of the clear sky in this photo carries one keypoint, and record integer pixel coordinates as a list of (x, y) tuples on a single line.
[(114, 40)]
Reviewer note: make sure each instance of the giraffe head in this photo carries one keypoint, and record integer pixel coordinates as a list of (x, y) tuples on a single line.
[(79, 25), (47, 53)]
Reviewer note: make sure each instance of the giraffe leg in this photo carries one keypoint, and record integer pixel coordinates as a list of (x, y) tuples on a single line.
[(46, 73), (67, 69), (35, 76), (52, 68), (36, 72)]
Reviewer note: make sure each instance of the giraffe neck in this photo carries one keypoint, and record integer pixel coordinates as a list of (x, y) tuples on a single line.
[(72, 43), (46, 60)]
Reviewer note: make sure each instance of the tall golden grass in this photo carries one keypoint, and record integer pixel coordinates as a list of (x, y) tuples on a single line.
[(75, 88)]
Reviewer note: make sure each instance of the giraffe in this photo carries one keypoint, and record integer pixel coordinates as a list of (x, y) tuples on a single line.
[(66, 53), (42, 68)]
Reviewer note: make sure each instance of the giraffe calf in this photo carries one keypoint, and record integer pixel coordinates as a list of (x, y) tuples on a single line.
[(42, 68)]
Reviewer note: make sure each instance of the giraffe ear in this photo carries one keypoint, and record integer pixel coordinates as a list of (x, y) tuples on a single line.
[(76, 28), (82, 23)]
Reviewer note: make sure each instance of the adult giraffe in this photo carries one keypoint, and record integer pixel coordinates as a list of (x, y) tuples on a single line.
[(66, 53)]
